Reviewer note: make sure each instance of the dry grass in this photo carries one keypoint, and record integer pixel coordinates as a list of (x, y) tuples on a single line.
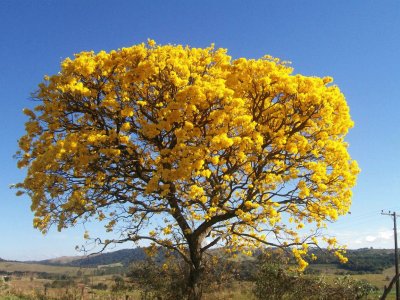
[(34, 289), (235, 291), (30, 267), (27, 285)]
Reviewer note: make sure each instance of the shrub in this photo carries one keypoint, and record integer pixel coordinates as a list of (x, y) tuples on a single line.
[(275, 280), (63, 283), (119, 284), (166, 280), (99, 286)]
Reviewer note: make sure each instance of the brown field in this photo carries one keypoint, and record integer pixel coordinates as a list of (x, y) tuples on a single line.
[(29, 287), (24, 287), (30, 267)]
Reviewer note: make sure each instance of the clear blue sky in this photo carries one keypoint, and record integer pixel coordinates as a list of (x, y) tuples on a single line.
[(357, 42)]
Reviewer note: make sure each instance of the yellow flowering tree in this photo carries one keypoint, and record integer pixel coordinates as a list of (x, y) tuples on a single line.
[(213, 151)]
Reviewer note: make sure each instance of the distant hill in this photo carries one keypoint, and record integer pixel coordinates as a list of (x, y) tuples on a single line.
[(366, 260), (62, 260), (8, 267), (124, 257)]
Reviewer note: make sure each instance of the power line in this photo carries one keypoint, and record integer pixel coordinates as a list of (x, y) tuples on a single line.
[(356, 220)]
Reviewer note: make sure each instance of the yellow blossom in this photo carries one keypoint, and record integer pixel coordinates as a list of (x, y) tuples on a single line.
[(224, 148)]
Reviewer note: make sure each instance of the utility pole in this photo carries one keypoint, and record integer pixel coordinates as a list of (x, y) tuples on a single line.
[(396, 256)]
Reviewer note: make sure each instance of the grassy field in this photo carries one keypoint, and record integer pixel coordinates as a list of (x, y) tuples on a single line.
[(30, 267), (28, 286), (379, 280), (27, 290)]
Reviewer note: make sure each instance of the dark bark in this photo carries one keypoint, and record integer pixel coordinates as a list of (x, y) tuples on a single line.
[(194, 287), (195, 280)]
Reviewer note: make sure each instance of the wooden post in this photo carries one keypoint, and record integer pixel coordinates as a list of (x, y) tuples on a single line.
[(396, 260)]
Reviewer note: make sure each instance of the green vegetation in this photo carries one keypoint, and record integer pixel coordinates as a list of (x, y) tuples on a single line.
[(162, 277), (366, 260), (277, 280)]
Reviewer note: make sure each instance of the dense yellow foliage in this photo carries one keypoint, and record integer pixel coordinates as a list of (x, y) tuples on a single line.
[(219, 148)]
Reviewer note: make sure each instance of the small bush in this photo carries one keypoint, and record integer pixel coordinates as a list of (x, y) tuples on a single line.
[(99, 286), (119, 284), (63, 283), (158, 281)]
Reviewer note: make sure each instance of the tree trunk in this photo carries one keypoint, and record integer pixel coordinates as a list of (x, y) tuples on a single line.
[(194, 285), (195, 280)]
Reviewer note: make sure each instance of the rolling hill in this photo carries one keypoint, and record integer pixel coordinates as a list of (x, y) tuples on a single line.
[(124, 257), (360, 261)]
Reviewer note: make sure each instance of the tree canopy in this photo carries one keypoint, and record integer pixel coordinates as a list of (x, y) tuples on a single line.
[(224, 151)]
